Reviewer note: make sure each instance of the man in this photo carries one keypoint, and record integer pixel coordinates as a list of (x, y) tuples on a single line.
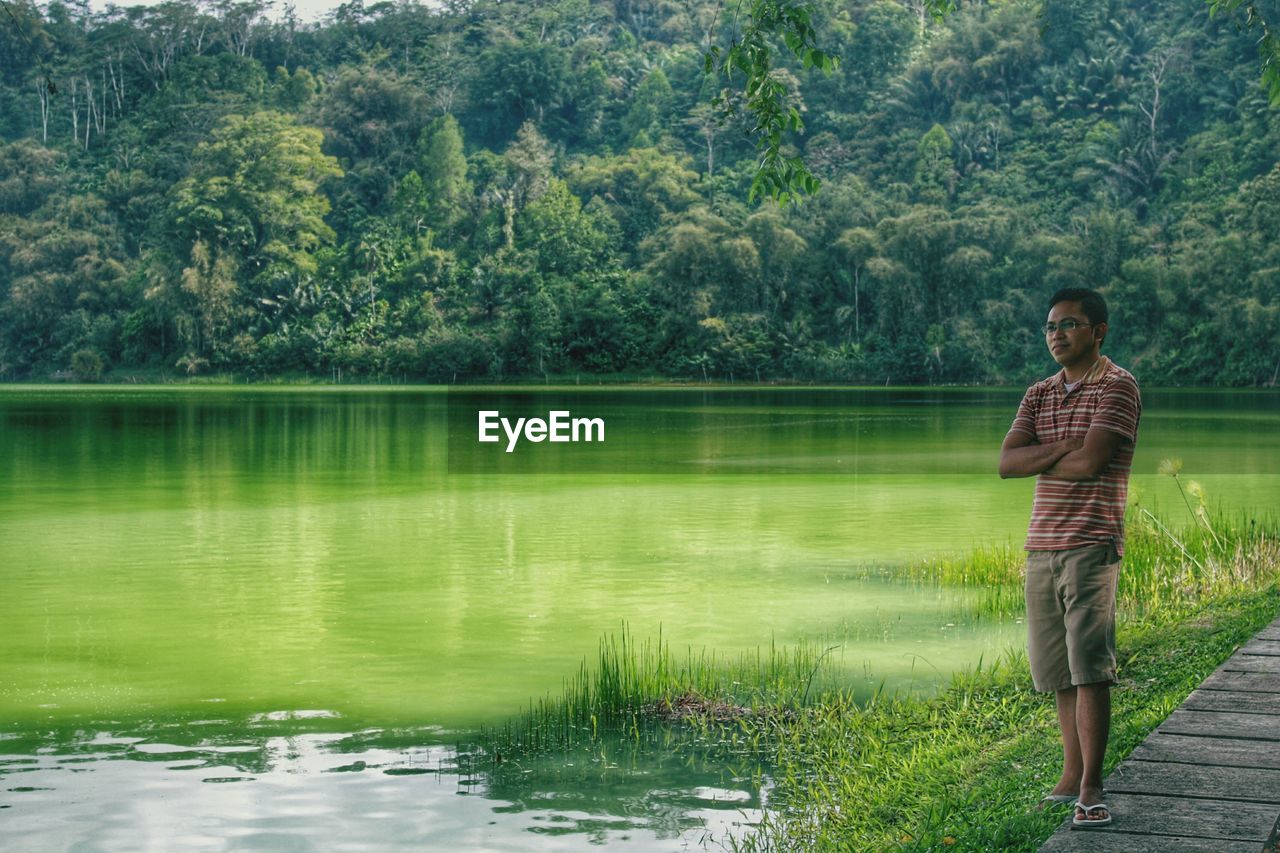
[(1077, 431)]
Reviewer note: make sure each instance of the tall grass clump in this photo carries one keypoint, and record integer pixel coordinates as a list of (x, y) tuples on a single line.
[(1167, 565), (993, 573), (1172, 569), (632, 685)]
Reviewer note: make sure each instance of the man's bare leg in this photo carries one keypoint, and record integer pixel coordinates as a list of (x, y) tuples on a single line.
[(1093, 726), (1072, 764)]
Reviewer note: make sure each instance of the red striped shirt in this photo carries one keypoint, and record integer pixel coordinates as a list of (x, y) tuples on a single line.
[(1072, 514)]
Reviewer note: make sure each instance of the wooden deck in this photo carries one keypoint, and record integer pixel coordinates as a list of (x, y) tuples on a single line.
[(1209, 777)]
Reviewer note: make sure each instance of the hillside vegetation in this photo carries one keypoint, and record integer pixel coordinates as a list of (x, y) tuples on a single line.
[(490, 190)]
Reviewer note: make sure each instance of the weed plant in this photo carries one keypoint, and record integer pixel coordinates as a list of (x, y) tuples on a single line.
[(633, 684), (1167, 567)]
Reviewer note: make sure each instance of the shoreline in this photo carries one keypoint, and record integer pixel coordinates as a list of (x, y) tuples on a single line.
[(559, 383)]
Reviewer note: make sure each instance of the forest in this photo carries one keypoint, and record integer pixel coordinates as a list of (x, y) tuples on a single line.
[(481, 191)]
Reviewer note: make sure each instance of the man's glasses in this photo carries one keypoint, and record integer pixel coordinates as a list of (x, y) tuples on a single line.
[(1065, 325)]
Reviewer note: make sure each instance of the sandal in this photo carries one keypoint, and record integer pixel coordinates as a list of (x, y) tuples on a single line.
[(1058, 799), (1082, 815)]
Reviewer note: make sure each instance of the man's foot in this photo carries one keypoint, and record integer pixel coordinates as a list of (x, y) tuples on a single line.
[(1064, 793), (1089, 793), (1066, 787), (1091, 815), (1049, 801)]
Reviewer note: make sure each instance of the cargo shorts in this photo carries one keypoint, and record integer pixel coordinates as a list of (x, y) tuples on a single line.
[(1071, 616)]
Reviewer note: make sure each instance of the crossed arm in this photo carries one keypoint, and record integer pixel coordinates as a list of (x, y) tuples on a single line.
[(1071, 458)]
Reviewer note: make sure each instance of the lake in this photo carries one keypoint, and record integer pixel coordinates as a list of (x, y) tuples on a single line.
[(265, 618)]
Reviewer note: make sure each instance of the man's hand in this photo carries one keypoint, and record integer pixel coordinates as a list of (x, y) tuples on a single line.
[(1019, 457), (1089, 460)]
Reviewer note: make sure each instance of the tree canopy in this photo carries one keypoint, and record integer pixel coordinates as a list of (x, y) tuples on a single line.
[(479, 190)]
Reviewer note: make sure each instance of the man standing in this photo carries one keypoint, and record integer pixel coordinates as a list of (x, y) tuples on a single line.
[(1077, 431)]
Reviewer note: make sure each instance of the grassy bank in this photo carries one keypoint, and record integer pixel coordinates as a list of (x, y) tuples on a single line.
[(963, 770)]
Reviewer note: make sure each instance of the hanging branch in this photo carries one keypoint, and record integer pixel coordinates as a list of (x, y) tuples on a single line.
[(1268, 42), (751, 52)]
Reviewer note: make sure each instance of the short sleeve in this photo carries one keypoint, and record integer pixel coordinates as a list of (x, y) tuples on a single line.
[(1028, 409), (1119, 408)]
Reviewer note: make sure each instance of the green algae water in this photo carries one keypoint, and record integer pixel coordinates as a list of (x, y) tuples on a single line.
[(267, 618)]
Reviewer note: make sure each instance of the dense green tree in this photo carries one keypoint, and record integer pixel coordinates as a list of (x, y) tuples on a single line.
[(64, 282), (29, 174), (784, 281), (934, 175), (565, 238), (371, 122), (884, 34), (1068, 25), (245, 225), (519, 81), (293, 92), (638, 189), (855, 248), (648, 116), (442, 164)]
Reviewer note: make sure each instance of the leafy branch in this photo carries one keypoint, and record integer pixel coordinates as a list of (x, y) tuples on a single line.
[(1268, 42), (751, 52)]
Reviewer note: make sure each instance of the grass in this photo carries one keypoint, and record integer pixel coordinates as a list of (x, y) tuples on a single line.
[(1164, 568), (964, 771), (633, 684)]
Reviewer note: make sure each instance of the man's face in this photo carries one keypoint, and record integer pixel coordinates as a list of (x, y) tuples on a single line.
[(1078, 346)]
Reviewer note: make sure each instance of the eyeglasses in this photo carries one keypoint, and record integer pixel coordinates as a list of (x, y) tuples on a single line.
[(1066, 326)]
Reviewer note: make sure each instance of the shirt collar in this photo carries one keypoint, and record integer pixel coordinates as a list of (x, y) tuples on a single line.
[(1093, 375)]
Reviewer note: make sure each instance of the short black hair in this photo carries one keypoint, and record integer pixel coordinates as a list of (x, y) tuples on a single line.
[(1091, 302)]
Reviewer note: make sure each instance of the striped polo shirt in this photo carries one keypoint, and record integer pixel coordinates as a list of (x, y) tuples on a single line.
[(1067, 513)]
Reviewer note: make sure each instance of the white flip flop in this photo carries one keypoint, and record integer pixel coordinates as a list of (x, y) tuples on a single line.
[(1079, 820), (1056, 799)]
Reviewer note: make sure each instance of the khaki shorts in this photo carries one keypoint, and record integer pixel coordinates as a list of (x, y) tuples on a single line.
[(1071, 616)]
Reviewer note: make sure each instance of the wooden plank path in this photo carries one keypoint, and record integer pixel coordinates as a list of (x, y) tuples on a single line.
[(1209, 777)]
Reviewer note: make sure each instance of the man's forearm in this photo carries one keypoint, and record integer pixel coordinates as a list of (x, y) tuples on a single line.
[(1073, 465), (1032, 459), (1088, 463)]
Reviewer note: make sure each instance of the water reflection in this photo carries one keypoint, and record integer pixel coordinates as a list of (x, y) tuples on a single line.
[(292, 781)]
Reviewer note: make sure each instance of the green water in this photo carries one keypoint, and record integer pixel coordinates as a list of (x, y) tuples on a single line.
[(316, 592)]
